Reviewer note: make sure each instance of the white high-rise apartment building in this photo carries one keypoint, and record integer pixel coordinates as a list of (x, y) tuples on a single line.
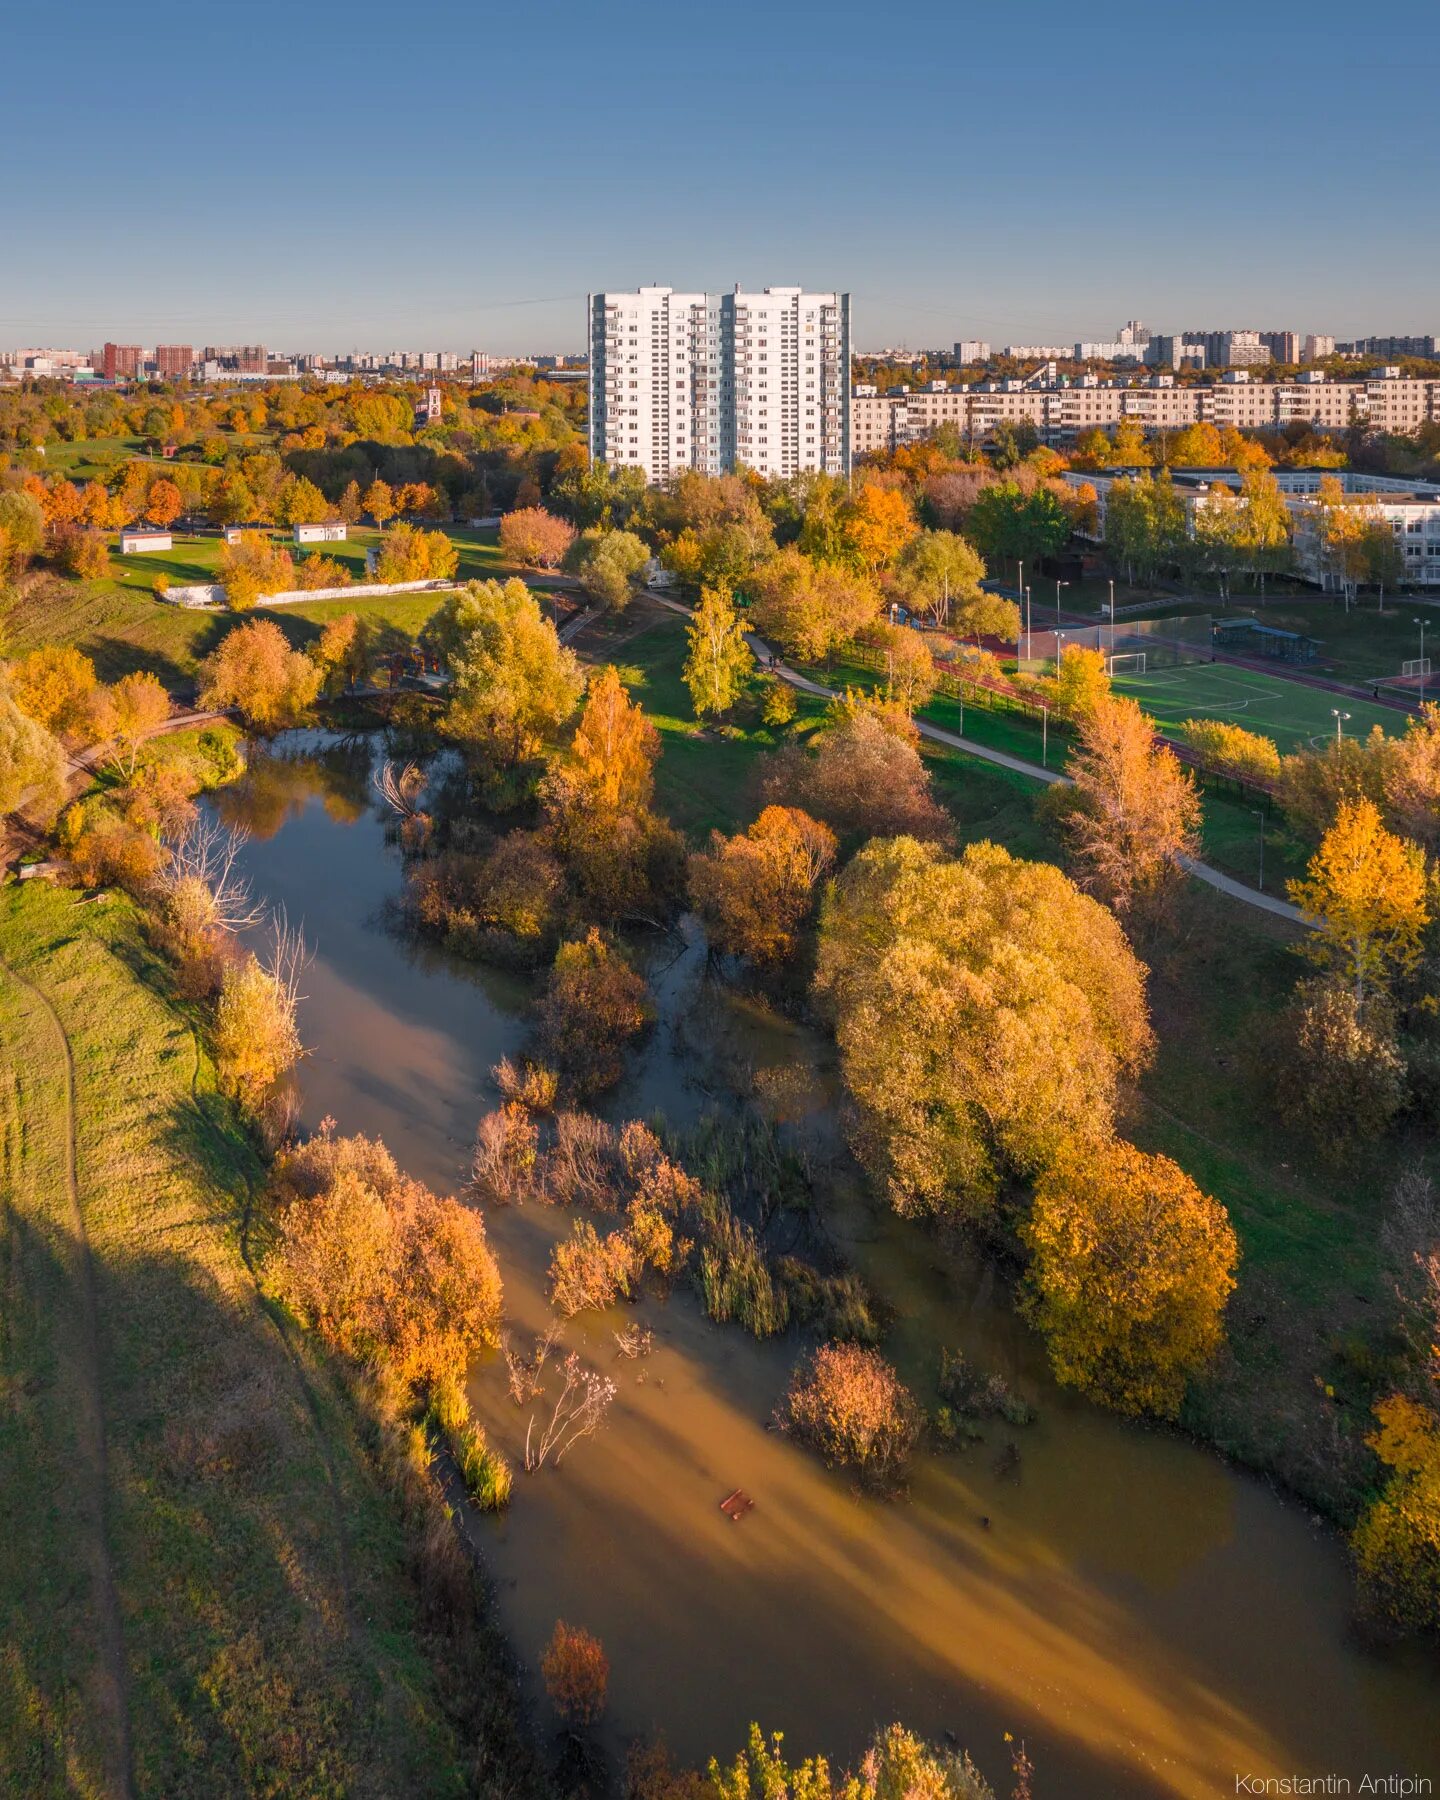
[(703, 381)]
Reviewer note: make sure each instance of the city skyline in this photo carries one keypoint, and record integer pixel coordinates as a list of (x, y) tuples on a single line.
[(339, 203)]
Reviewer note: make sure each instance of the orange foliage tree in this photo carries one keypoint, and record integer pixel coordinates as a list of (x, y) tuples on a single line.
[(756, 890)]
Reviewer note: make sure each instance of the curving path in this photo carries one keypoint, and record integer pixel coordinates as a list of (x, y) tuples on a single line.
[(1202, 871)]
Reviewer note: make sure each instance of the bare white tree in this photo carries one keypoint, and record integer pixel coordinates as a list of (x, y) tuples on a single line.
[(527, 1372), (579, 1412), (400, 789), (207, 852), (286, 959)]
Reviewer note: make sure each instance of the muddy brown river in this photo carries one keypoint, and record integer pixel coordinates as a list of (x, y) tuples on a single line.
[(1149, 1621)]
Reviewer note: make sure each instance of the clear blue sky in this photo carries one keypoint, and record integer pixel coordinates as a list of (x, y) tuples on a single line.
[(320, 176)]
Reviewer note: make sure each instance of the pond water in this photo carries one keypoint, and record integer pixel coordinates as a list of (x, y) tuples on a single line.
[(1149, 1621)]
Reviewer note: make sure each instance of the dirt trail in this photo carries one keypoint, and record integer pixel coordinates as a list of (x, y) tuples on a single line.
[(90, 1415)]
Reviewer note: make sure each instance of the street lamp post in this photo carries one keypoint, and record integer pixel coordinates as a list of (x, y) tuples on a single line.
[(1027, 614), (1421, 624), (1058, 586), (1260, 815), (1339, 718), (1044, 737)]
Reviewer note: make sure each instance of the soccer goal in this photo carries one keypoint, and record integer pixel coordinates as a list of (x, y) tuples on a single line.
[(1417, 665), (1127, 662)]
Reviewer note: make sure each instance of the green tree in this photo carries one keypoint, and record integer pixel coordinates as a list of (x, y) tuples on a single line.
[(515, 684), (1007, 524), (939, 572), (606, 564), (985, 1011), (720, 661)]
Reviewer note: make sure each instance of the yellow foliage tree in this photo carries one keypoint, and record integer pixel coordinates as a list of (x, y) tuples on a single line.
[(1397, 1542), (1365, 891), (754, 891), (612, 760), (985, 1010), (1081, 684), (55, 685), (877, 524), (1131, 1268)]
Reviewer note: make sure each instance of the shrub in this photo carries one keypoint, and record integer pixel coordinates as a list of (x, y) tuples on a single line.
[(974, 1394), (1231, 750), (581, 1168), (1336, 1068), (594, 1005), (849, 1404), (502, 1169), (735, 1279), (257, 1037), (577, 1674), (379, 1265), (838, 1307), (532, 1086), (588, 1271), (780, 705)]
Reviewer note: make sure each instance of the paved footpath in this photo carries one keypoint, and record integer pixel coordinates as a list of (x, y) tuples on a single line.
[(1225, 884)]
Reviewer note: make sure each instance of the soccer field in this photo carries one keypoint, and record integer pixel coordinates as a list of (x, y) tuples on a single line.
[(1287, 711)]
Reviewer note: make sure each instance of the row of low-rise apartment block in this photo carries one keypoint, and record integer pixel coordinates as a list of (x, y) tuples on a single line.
[(1410, 508), (702, 381), (1061, 411)]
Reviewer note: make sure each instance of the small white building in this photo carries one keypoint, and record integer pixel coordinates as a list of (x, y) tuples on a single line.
[(332, 532), (136, 538)]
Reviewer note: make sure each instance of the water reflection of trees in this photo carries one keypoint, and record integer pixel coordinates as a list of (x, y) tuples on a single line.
[(282, 779)]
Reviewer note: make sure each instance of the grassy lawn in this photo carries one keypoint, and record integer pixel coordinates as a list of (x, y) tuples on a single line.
[(268, 1637), (1291, 713), (122, 626)]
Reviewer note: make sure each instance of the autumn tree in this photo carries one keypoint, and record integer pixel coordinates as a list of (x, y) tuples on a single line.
[(1365, 892), (56, 686), (515, 684), (32, 764), (576, 1673), (254, 669), (378, 1265), (1131, 1266), (755, 892), (612, 758), (535, 537), (607, 564), (720, 660), (1337, 1072), (22, 530), (164, 503), (910, 672), (810, 609), (1134, 814), (1410, 779), (985, 1010), (136, 707), (379, 502), (1397, 1542), (342, 653), (848, 1403), (1231, 750), (257, 1035), (253, 567), (876, 524), (409, 553), (939, 574), (302, 503), (861, 775), (350, 506), (1081, 684), (594, 1005)]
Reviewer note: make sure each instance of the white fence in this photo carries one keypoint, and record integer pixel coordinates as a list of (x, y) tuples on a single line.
[(201, 593), (357, 591)]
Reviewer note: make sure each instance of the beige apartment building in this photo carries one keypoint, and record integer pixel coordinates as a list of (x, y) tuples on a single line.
[(1384, 400)]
